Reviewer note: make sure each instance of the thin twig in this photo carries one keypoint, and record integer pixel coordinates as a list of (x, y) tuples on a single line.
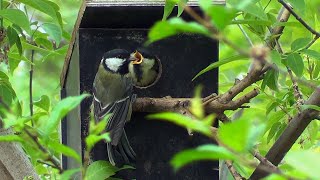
[(284, 4), (50, 158), (244, 33), (312, 42), (264, 160), (1, 19), (267, 5), (233, 171), (292, 132), (283, 16), (30, 87), (214, 32), (45, 163)]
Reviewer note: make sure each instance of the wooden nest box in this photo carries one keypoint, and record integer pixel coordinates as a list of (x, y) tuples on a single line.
[(103, 25)]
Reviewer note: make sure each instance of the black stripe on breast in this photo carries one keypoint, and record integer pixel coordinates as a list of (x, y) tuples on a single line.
[(138, 71)]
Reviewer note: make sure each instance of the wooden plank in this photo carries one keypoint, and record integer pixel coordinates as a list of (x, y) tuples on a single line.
[(65, 67), (140, 2), (14, 163)]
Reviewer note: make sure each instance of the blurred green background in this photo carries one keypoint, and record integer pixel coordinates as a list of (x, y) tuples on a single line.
[(47, 72)]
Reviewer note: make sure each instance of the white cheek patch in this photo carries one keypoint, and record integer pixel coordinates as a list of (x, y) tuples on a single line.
[(114, 63)]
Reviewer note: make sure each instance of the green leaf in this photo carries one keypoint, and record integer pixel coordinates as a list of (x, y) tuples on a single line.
[(168, 7), (220, 63), (93, 139), (12, 35), (271, 79), (59, 111), (45, 7), (53, 5), (66, 35), (43, 103), (69, 173), (19, 46), (6, 92), (183, 121), (304, 161), (17, 17), (102, 170), (220, 16), (274, 129), (173, 26), (181, 6), (316, 71), (275, 177), (100, 126), (242, 4), (312, 53), (16, 56), (274, 117), (13, 64), (249, 6), (196, 104), (240, 130), (14, 39), (309, 106), (44, 43), (252, 22), (300, 43), (54, 31), (255, 134), (11, 138), (298, 5), (255, 10), (203, 152), (295, 63), (281, 128), (3, 76), (65, 150), (275, 57)]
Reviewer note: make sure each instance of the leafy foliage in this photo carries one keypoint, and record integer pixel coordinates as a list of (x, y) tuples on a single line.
[(38, 27)]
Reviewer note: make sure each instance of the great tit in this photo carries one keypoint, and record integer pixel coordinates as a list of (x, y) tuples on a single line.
[(146, 70), (112, 92), (118, 72)]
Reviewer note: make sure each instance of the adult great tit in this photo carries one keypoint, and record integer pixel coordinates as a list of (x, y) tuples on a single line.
[(118, 72)]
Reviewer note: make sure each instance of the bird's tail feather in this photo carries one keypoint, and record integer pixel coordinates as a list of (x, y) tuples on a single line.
[(110, 154), (122, 153), (127, 147)]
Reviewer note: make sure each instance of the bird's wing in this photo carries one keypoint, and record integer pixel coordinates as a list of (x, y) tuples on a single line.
[(119, 111)]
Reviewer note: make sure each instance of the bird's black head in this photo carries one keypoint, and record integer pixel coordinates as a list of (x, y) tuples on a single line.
[(116, 61)]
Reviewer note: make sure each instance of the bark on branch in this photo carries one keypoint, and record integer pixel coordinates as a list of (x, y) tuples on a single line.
[(177, 104), (294, 129)]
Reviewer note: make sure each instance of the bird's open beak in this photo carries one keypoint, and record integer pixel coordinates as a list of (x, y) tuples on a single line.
[(136, 58)]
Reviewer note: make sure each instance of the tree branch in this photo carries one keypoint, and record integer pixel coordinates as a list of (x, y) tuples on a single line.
[(30, 87), (50, 158), (181, 104), (233, 171), (294, 129), (284, 4)]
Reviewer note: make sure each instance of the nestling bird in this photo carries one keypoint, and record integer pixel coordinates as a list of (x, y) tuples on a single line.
[(147, 71), (112, 90)]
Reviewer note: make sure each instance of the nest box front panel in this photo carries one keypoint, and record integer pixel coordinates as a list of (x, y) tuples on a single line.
[(155, 142)]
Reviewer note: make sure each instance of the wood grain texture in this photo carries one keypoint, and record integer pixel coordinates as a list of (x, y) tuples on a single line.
[(141, 2), (14, 163)]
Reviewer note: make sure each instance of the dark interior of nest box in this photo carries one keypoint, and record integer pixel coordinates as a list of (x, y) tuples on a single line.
[(182, 57)]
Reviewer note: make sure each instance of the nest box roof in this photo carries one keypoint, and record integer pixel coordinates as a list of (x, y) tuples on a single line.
[(110, 3)]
